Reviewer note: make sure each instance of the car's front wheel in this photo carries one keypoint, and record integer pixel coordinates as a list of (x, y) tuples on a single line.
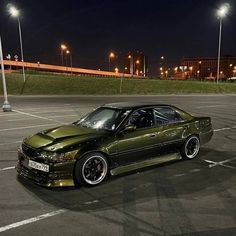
[(191, 147), (91, 169)]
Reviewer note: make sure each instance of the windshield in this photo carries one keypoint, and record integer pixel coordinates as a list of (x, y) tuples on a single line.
[(104, 118)]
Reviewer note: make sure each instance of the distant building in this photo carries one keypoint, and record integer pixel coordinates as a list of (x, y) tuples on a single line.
[(206, 68), (136, 64)]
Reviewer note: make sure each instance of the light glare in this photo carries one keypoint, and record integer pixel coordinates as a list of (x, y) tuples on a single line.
[(63, 47), (14, 12), (223, 10)]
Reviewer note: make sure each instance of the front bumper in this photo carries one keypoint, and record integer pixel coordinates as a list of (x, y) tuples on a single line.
[(59, 175)]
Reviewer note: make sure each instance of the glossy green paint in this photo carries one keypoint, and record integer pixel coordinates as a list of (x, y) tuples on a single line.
[(125, 150), (146, 163)]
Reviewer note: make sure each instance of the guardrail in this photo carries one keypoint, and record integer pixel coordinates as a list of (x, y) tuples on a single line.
[(66, 69)]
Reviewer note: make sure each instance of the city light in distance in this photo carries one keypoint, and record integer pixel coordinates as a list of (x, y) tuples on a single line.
[(111, 55), (63, 47)]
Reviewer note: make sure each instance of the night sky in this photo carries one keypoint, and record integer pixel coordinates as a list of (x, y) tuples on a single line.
[(173, 28)]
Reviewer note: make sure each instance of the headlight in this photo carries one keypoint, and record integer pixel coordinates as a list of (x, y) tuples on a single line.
[(52, 156)]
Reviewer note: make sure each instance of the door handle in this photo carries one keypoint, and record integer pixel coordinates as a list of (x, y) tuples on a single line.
[(152, 135)]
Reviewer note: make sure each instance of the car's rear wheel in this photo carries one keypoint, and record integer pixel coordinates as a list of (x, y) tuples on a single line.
[(91, 169), (191, 147)]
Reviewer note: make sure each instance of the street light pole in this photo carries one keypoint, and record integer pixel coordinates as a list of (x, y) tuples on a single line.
[(71, 63), (6, 105), (63, 47), (221, 13), (15, 13), (62, 62), (131, 64), (21, 48), (219, 48), (110, 56)]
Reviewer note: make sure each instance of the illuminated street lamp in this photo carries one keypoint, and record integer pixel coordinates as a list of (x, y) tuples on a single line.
[(63, 48), (68, 52), (14, 12), (6, 105), (166, 72), (110, 57), (221, 13), (116, 70), (198, 73), (191, 69), (9, 58), (131, 64)]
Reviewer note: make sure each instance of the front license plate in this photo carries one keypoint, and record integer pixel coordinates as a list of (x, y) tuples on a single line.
[(38, 166)]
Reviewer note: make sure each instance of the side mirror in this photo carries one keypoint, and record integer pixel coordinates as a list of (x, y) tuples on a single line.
[(129, 128)]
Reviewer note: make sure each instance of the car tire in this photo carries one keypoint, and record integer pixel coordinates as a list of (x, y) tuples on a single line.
[(190, 148), (91, 170)]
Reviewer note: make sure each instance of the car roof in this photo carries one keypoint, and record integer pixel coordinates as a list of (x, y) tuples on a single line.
[(133, 105)]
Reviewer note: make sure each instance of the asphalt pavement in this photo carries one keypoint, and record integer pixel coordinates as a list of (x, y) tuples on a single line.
[(196, 197)]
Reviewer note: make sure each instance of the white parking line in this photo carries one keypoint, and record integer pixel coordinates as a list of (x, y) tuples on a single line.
[(8, 168), (31, 220), (91, 202), (25, 127), (52, 111), (226, 128), (209, 106), (61, 116), (40, 108), (38, 112), (40, 117), (220, 163), (30, 118)]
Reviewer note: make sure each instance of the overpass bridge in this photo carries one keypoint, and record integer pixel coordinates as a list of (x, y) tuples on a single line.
[(66, 69)]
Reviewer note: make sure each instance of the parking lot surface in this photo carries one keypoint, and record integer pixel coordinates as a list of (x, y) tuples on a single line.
[(196, 197)]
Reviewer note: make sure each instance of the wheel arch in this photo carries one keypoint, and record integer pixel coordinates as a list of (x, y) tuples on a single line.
[(81, 154)]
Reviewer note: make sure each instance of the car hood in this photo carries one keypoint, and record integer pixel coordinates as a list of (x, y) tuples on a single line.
[(63, 136)]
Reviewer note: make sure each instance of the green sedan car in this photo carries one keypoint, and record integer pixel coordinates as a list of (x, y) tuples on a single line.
[(112, 139)]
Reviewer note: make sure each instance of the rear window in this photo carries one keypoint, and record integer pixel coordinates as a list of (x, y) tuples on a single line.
[(166, 115)]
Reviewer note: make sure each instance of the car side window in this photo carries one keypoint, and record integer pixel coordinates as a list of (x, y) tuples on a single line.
[(166, 115), (142, 118)]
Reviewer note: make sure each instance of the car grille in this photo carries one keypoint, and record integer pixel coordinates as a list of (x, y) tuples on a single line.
[(28, 151)]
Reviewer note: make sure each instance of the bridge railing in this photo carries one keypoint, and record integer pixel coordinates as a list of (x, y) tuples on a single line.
[(65, 69)]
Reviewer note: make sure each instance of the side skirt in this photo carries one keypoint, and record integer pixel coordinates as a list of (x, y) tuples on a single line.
[(146, 163)]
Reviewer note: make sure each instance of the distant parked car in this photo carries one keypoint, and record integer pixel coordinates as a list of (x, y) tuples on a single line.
[(232, 79), (113, 139)]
